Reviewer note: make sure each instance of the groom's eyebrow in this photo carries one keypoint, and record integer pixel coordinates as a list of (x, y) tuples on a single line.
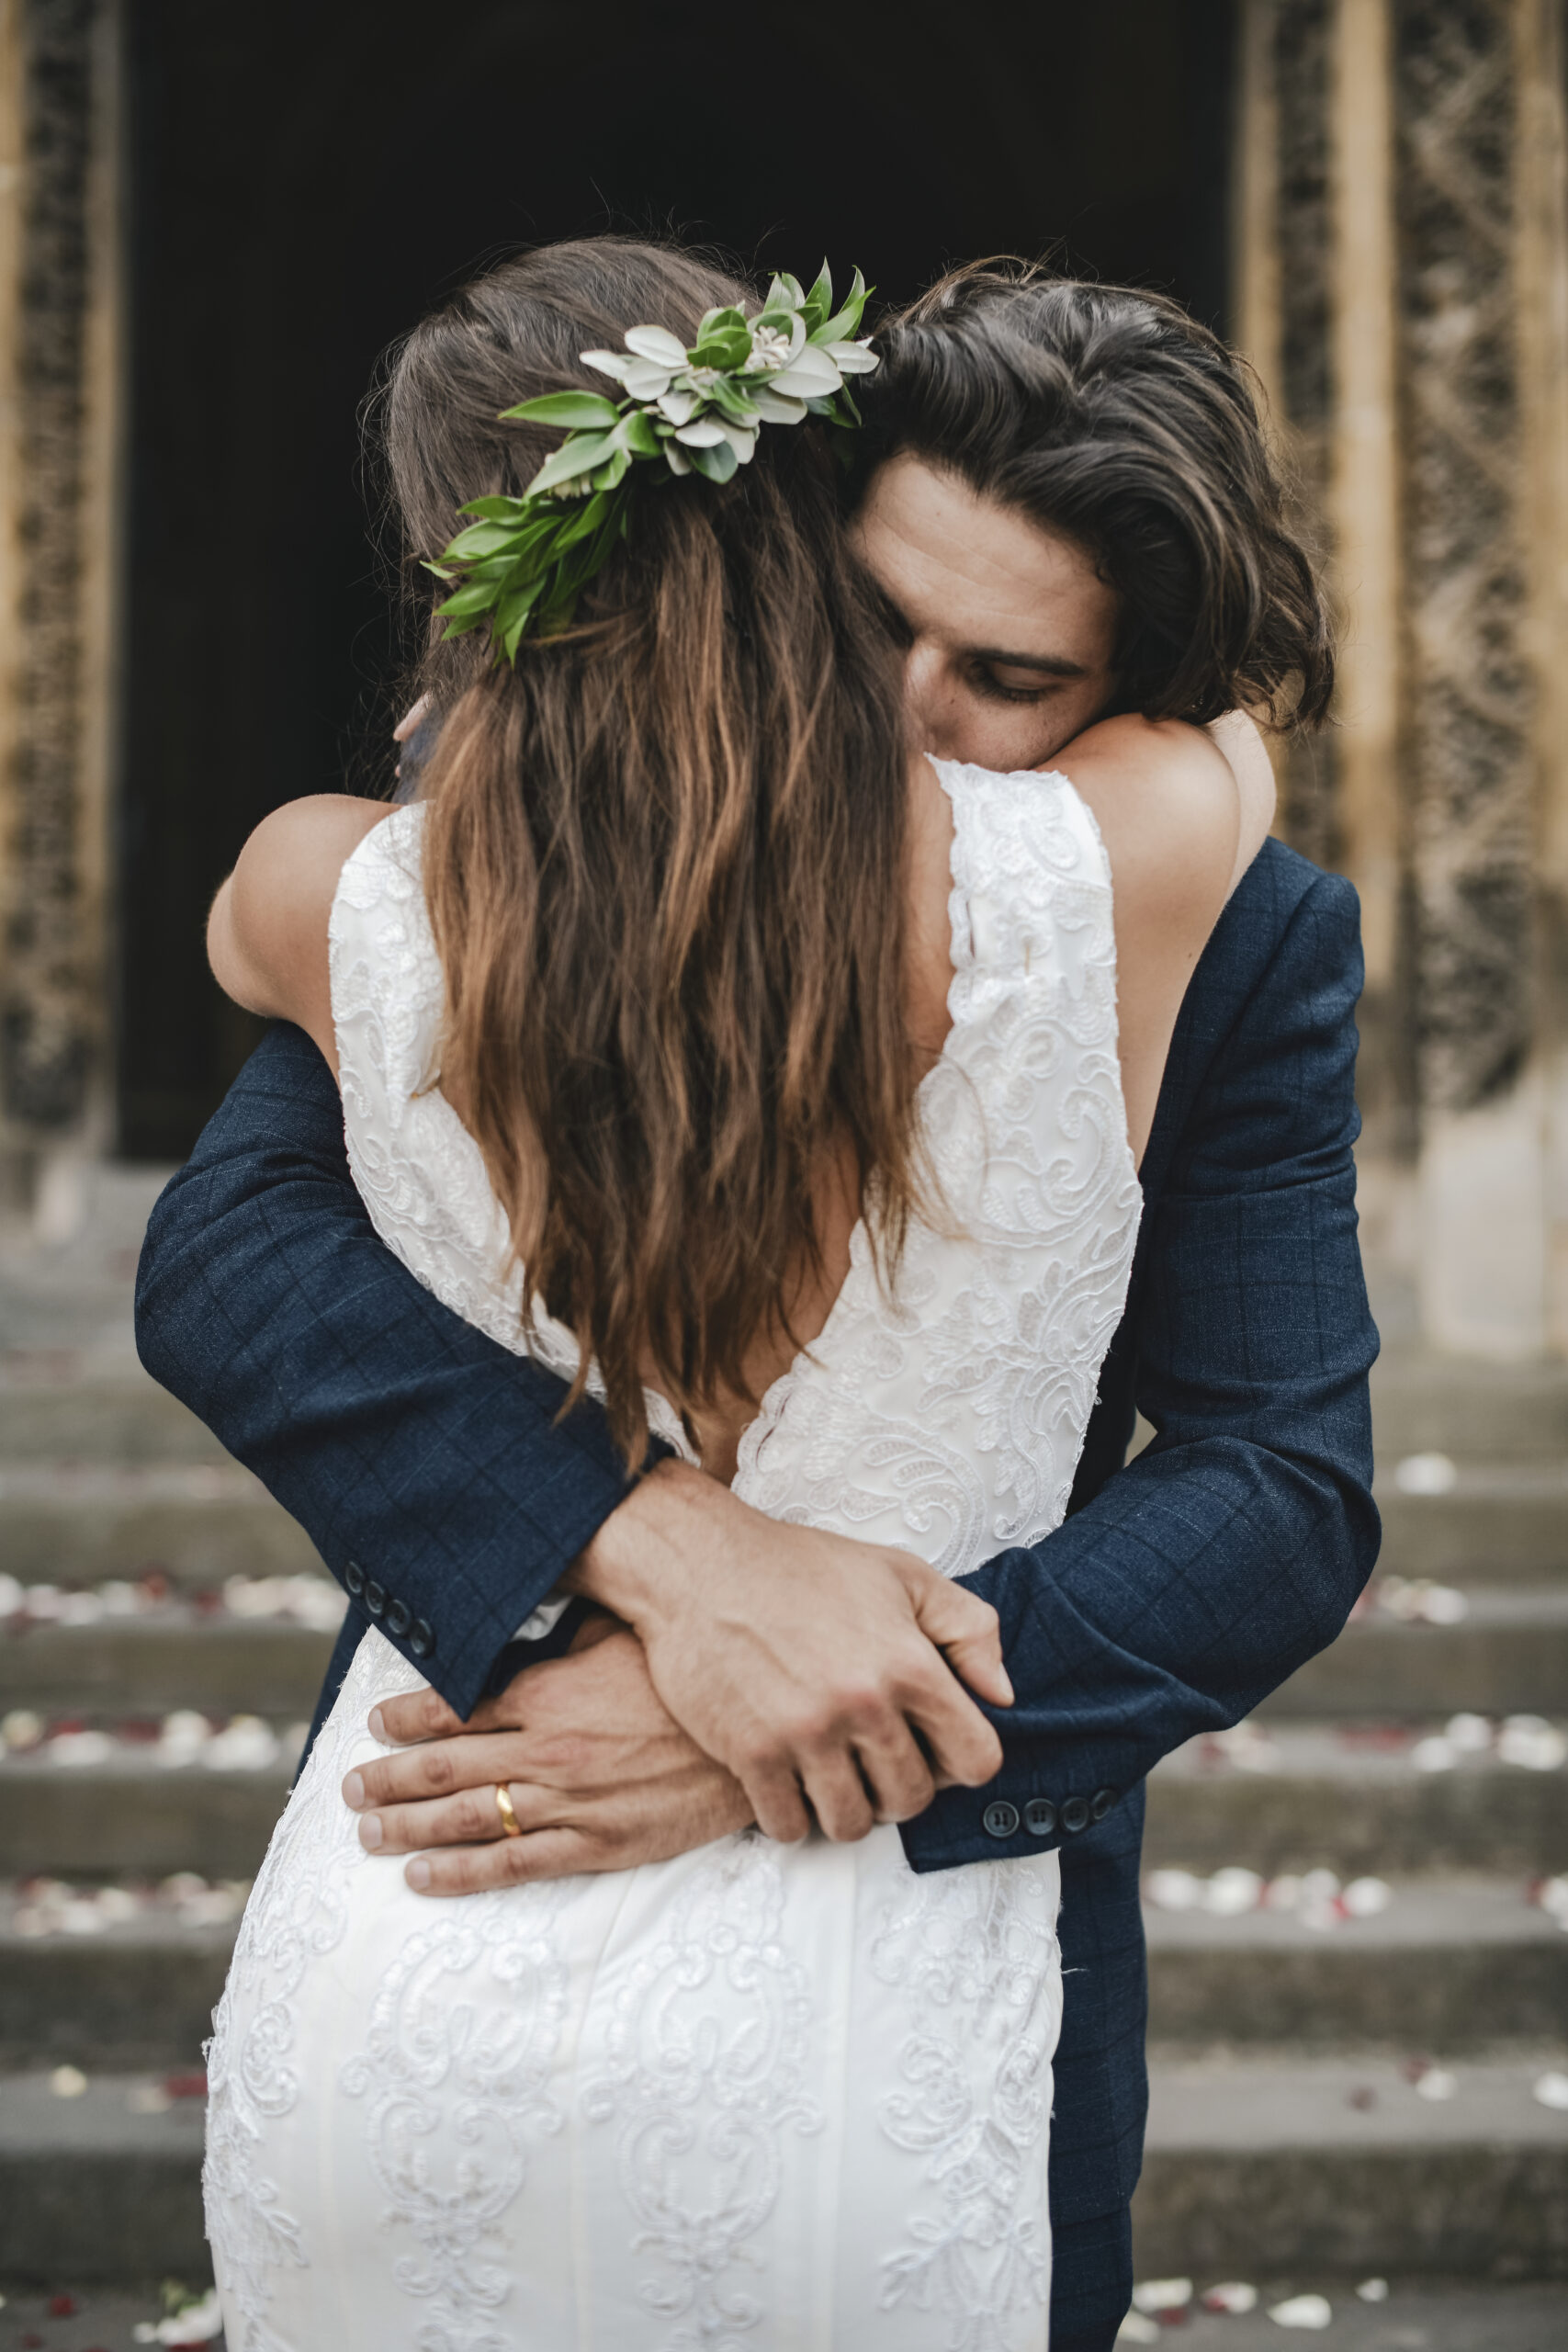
[(1052, 665)]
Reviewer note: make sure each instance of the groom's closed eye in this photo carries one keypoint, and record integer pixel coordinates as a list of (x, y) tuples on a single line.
[(1019, 678)]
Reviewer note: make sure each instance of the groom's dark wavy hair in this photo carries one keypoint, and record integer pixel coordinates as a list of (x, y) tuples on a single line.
[(1110, 415)]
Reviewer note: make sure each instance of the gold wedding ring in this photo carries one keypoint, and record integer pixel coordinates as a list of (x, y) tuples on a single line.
[(508, 1820)]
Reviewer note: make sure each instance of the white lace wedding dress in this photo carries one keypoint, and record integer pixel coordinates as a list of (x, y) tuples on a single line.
[(761, 2099)]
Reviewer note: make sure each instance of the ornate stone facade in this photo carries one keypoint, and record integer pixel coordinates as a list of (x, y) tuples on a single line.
[(1298, 49), (1469, 770), (51, 1011)]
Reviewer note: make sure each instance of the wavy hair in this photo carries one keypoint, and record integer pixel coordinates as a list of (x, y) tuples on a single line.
[(1110, 415), (664, 853)]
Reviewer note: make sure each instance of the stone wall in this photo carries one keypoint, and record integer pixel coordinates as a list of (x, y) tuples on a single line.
[(57, 542), (1403, 249)]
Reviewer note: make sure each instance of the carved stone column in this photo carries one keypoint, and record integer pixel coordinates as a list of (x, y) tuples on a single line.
[(1436, 398), (58, 506)]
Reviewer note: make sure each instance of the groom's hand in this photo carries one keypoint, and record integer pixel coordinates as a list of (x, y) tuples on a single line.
[(600, 1775), (822, 1672)]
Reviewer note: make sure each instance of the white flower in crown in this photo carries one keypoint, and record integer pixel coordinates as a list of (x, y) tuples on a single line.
[(522, 563)]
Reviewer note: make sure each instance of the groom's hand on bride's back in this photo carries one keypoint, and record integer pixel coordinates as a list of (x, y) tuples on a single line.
[(821, 1671)]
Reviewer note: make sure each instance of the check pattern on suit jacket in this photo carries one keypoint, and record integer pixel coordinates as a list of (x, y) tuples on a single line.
[(426, 1464)]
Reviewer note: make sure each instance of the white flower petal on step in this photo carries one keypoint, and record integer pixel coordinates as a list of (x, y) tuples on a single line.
[(1373, 2290), (1136, 2329), (656, 343), (1302, 2311), (1532, 1743), (1233, 2296), (1551, 2090), (1426, 1474), (1471, 1735), (68, 2082), (1365, 1897), (80, 1749), (1232, 1892), (1174, 1890), (1162, 2295), (1434, 1755), (1445, 1605), (1437, 2084)]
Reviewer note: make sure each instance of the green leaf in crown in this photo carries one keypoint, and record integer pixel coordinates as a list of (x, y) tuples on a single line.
[(522, 563)]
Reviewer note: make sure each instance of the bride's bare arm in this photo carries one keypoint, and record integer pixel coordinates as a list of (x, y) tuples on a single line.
[(267, 936)]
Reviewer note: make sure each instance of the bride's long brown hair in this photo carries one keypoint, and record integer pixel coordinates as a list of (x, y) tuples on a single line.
[(664, 853)]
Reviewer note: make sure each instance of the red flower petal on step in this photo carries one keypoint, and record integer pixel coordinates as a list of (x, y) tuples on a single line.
[(62, 2307), (191, 2084)]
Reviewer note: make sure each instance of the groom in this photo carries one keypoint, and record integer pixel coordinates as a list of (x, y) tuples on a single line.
[(1071, 512)]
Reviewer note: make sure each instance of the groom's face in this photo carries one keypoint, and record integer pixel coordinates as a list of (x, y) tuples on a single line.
[(1011, 633)]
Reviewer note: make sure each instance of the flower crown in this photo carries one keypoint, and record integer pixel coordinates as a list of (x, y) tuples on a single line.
[(522, 563)]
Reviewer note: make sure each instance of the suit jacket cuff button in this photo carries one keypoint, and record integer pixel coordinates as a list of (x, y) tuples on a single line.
[(1001, 1819), (1075, 1815), (1040, 1816)]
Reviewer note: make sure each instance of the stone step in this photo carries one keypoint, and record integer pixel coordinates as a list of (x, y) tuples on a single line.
[(1430, 1403), (166, 1659), (1450, 1965), (99, 2315), (127, 1420), (104, 2185), (1507, 1655), (1435, 2315), (1260, 2165), (137, 1991), (195, 1522), (1500, 1522), (1274, 1798), (1295, 1796), (132, 1816), (1254, 2168)]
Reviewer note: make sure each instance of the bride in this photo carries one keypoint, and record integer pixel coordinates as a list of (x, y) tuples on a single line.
[(768, 1080)]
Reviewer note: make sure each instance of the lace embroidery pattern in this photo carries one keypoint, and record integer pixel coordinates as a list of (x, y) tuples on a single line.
[(702, 2091), (297, 1915), (974, 1953), (456, 2091), (964, 1403)]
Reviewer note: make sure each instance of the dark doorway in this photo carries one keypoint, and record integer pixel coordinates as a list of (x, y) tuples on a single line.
[(305, 178)]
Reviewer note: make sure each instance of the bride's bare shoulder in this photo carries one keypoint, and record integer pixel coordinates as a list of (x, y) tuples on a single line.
[(267, 936), (1167, 803)]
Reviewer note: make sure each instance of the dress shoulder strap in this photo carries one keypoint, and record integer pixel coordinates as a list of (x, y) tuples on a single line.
[(388, 992), (1032, 895)]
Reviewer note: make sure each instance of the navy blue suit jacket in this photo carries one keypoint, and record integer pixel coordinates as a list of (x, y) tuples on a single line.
[(428, 1468)]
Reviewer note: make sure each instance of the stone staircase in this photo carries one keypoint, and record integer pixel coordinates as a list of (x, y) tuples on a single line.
[(1347, 2078)]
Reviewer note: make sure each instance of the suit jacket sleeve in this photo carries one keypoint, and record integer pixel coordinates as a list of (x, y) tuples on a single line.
[(1233, 1548), (418, 1456)]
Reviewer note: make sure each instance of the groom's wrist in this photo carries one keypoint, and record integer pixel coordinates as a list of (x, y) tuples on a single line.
[(639, 1563)]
